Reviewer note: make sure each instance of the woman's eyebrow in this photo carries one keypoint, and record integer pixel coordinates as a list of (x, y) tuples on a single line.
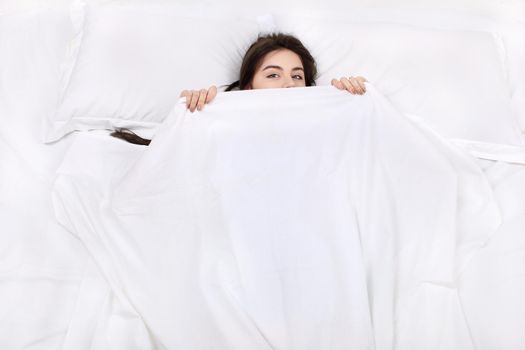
[(272, 66), (281, 68)]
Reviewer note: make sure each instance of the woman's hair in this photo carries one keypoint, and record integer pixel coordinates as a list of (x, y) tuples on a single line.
[(266, 44), (130, 136), (250, 63)]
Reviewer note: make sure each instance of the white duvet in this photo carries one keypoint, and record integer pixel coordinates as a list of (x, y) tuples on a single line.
[(291, 219)]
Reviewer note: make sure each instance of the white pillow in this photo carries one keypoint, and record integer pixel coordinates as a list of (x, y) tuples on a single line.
[(454, 80), (32, 47), (129, 62), (514, 38)]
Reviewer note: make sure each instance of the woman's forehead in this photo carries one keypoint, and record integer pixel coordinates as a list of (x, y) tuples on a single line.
[(282, 57)]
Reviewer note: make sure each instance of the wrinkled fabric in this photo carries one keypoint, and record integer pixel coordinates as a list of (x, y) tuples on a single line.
[(300, 218)]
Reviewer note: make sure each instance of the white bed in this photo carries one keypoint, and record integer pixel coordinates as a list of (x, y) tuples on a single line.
[(100, 248)]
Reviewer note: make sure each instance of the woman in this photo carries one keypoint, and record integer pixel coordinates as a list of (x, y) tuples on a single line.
[(272, 61)]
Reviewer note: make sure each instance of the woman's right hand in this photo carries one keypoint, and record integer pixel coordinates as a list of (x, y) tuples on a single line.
[(196, 99)]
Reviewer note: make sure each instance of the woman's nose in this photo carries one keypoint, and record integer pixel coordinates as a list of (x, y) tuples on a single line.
[(289, 83)]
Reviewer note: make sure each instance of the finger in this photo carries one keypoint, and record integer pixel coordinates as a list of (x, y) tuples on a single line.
[(202, 99), (212, 92), (348, 86), (356, 86), (362, 86), (194, 99), (186, 93), (337, 84), (362, 82)]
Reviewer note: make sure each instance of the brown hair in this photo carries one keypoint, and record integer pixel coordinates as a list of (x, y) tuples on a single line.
[(130, 136), (251, 61)]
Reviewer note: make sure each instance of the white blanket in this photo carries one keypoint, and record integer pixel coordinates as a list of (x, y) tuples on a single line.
[(283, 219)]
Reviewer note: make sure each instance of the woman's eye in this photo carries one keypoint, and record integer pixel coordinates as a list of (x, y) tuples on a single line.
[(272, 76), (298, 77)]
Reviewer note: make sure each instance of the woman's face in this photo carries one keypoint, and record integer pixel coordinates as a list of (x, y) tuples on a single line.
[(279, 69)]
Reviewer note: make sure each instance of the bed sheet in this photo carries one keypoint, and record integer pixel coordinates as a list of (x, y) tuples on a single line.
[(240, 265), (42, 266), (490, 285)]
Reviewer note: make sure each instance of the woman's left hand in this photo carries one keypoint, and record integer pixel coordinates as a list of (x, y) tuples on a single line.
[(354, 85)]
